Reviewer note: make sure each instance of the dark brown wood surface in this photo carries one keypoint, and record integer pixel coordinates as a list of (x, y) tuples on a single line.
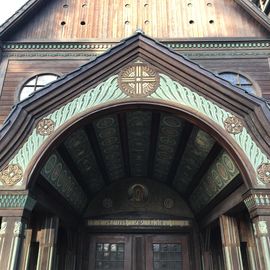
[(116, 19)]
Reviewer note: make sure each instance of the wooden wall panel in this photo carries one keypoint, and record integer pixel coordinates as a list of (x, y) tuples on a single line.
[(258, 71), (18, 71), (116, 19)]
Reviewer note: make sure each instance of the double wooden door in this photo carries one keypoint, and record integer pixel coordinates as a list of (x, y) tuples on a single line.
[(139, 252)]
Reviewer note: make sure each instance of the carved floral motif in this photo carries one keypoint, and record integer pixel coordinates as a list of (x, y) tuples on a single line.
[(45, 127), (264, 172), (233, 125), (138, 80), (18, 228), (11, 175)]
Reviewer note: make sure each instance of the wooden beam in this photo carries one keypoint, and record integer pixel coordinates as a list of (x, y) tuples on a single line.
[(90, 131), (227, 205), (52, 201), (183, 141), (153, 143), (62, 150), (214, 152), (122, 123)]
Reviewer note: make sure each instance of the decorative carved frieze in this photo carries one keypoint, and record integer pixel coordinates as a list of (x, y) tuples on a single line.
[(138, 80), (11, 175), (233, 125), (45, 127), (16, 200)]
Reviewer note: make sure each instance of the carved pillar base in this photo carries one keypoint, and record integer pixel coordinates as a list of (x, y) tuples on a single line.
[(47, 238), (258, 204), (230, 243), (11, 239)]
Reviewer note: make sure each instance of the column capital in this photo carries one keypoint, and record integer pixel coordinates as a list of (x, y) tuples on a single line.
[(257, 202), (16, 203)]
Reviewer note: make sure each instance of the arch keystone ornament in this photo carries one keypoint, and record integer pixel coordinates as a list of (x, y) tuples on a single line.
[(138, 80), (233, 125), (264, 172), (45, 127), (11, 175)]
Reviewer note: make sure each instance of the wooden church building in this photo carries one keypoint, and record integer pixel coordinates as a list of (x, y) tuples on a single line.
[(135, 135)]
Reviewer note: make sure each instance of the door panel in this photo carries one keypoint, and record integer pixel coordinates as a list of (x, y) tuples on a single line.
[(139, 252), (167, 252), (110, 252)]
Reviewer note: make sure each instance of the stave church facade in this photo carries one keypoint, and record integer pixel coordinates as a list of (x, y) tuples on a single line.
[(135, 135)]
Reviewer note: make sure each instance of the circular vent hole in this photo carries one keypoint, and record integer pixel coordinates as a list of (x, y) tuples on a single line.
[(189, 5), (82, 22), (145, 5), (191, 22), (63, 23), (127, 5), (84, 5), (211, 21), (146, 22), (65, 6), (209, 4), (127, 22)]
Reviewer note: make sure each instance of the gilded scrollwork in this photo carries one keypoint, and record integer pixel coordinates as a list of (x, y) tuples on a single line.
[(11, 175)]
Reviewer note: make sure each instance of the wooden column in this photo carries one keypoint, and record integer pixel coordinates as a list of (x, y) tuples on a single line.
[(206, 249), (230, 243), (12, 234), (258, 204), (47, 238)]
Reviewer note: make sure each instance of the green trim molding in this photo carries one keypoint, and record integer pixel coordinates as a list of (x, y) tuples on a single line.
[(168, 90), (16, 200)]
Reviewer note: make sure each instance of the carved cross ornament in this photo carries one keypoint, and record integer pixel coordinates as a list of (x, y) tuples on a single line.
[(138, 80)]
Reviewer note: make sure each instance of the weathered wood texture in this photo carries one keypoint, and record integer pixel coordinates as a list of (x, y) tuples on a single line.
[(257, 70), (19, 71), (116, 19)]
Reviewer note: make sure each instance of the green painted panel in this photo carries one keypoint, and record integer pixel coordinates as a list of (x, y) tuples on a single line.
[(139, 132), (107, 131), (170, 130), (218, 176), (197, 149), (17, 201), (60, 177), (82, 154)]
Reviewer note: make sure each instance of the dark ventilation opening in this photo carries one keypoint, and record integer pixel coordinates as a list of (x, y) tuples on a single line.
[(82, 22), (191, 22), (63, 23)]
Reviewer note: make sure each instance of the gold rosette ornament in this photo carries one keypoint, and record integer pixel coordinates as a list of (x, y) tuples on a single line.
[(233, 125), (45, 127), (264, 172), (11, 175)]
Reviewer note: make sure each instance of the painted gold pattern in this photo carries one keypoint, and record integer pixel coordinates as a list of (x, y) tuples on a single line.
[(45, 127), (233, 125), (264, 172), (138, 80), (11, 175), (138, 222)]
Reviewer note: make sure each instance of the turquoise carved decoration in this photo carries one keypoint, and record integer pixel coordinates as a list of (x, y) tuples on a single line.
[(171, 90), (139, 132), (218, 176), (104, 92), (60, 177), (168, 90), (16, 200), (197, 149), (82, 154), (170, 131), (108, 136)]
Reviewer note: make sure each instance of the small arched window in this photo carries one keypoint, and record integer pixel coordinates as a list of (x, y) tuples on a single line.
[(36, 83), (238, 80)]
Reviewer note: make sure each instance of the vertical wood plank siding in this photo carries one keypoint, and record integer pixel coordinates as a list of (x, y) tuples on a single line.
[(116, 19)]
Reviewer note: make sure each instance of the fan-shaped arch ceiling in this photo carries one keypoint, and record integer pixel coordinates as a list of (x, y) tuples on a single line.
[(140, 144)]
